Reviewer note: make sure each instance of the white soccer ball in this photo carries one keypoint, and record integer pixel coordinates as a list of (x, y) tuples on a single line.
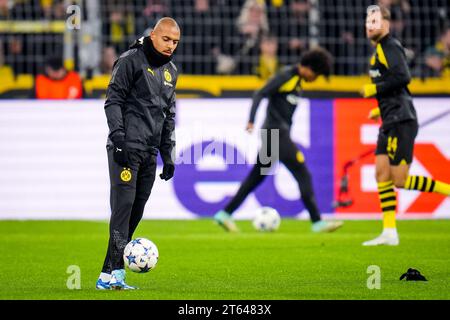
[(140, 255), (266, 219)]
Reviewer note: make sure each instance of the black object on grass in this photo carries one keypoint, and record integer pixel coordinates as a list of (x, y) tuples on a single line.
[(413, 275)]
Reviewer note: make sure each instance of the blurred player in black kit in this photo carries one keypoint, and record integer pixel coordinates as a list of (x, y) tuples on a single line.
[(282, 91)]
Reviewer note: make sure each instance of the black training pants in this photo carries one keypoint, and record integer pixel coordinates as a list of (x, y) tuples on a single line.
[(291, 157), (130, 190)]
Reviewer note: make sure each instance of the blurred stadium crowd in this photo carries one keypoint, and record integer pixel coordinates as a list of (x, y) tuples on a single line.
[(224, 37)]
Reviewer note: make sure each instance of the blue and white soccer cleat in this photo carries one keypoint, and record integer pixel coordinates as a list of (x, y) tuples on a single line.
[(101, 285), (118, 281), (223, 219)]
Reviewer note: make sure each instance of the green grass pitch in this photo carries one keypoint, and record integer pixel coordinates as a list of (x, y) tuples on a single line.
[(199, 261)]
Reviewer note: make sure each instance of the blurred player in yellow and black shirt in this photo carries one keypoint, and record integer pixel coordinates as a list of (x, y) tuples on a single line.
[(390, 77), (282, 90)]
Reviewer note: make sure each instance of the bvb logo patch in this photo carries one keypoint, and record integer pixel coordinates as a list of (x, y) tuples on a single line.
[(167, 76), (125, 175)]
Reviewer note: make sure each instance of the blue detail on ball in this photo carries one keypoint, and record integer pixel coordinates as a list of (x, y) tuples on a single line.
[(136, 241), (131, 259)]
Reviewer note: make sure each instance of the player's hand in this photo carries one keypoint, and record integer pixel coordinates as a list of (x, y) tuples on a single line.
[(120, 153), (168, 171), (374, 114), (368, 90), (250, 127)]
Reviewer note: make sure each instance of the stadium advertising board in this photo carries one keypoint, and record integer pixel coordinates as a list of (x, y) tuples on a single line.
[(54, 163)]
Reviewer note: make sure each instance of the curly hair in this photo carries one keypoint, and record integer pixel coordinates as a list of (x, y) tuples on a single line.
[(319, 60)]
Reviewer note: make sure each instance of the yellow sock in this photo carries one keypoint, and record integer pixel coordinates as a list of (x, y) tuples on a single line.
[(426, 184), (388, 203), (442, 188)]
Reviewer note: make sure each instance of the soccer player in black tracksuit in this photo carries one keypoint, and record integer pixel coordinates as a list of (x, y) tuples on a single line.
[(140, 109), (390, 76), (282, 91)]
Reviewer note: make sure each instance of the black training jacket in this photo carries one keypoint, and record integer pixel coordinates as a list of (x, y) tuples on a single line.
[(140, 100), (390, 73), (282, 90)]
